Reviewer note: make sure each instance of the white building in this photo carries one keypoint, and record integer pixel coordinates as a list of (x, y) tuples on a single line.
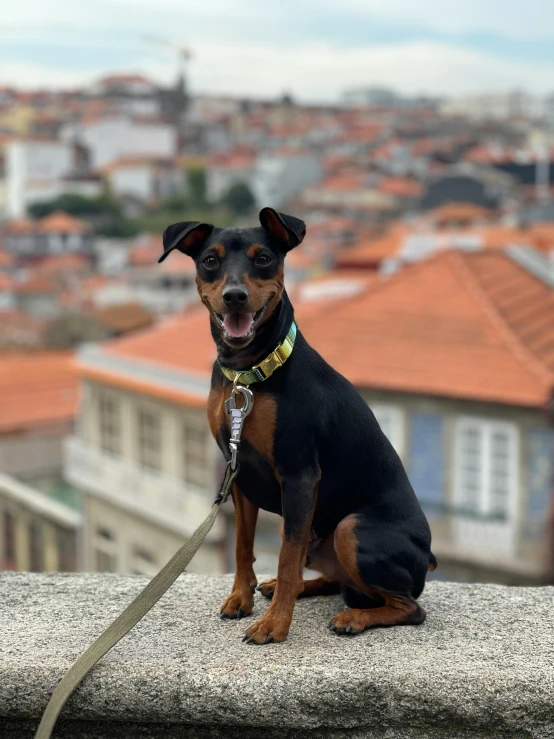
[(221, 175), (280, 176), (129, 93), (146, 178), (34, 169), (109, 139), (494, 106)]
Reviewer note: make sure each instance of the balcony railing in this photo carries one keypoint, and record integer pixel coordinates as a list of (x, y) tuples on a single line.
[(158, 497)]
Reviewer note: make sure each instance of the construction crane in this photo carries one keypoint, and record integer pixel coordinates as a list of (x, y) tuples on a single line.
[(184, 53)]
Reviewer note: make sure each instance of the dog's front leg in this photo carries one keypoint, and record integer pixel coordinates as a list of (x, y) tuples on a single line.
[(299, 493), (241, 600)]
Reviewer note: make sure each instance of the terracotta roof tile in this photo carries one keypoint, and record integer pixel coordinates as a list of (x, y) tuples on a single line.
[(21, 226), (371, 252), (466, 212), (400, 186), (430, 330), (37, 388), (6, 283), (61, 222), (525, 302), (6, 259), (36, 284), (183, 342), (124, 317), (64, 262)]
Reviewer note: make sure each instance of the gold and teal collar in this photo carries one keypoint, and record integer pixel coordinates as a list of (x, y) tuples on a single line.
[(264, 369)]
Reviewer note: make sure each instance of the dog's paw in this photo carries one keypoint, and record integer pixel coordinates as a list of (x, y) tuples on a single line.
[(267, 588), (352, 621), (267, 630), (238, 605)]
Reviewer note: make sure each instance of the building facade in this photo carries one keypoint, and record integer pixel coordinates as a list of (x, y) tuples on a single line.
[(40, 515), (484, 474)]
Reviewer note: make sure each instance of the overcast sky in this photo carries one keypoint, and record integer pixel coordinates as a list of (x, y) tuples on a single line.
[(312, 48)]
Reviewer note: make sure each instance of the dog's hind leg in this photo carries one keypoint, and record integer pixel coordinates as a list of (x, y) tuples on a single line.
[(369, 566)]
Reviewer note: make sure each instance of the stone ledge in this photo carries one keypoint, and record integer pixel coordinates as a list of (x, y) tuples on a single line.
[(481, 666)]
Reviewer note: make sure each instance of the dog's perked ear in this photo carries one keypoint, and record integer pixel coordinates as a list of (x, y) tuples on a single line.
[(186, 236), (287, 231)]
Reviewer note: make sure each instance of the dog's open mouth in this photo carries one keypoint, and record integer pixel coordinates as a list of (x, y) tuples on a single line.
[(239, 325)]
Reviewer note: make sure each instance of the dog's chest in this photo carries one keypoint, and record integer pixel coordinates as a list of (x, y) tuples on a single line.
[(259, 426)]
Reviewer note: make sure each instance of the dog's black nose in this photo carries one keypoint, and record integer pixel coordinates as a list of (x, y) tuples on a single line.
[(235, 297)]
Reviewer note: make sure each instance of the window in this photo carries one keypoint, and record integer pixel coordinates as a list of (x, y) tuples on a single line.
[(9, 541), (105, 550), (390, 419), (144, 562), (486, 464), (149, 439), (110, 425), (65, 544), (425, 460), (36, 547), (195, 453)]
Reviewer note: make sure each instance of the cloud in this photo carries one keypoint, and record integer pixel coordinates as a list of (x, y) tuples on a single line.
[(512, 18), (317, 72), (313, 48)]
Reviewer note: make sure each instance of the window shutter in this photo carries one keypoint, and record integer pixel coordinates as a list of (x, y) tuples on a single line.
[(540, 472), (426, 460)]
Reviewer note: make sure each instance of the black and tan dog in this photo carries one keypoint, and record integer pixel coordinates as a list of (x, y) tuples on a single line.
[(312, 450)]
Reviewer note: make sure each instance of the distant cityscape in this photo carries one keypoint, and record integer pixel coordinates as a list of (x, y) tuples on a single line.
[(426, 278)]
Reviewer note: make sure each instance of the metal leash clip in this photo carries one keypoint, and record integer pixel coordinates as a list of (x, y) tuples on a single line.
[(237, 418)]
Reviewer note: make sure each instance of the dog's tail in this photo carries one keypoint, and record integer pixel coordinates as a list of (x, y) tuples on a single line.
[(433, 564)]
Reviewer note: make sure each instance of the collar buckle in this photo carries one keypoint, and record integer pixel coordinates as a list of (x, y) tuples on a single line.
[(270, 364), (267, 367)]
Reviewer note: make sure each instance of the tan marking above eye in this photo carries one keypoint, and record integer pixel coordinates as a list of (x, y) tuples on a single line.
[(253, 251), (219, 250)]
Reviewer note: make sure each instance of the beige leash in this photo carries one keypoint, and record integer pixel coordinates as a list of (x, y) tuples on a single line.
[(134, 612)]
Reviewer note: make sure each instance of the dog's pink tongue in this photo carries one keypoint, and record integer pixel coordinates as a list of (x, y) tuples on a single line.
[(238, 324)]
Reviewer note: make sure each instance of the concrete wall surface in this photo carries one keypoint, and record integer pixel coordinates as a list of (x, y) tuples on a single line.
[(482, 665)]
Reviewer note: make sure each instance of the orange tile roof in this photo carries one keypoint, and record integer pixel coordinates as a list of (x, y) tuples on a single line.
[(21, 226), (488, 236), (540, 235), (61, 222), (123, 317), (6, 283), (401, 186), (36, 284), (433, 329), (6, 259), (146, 251), (64, 262), (370, 253), (524, 302), (37, 388), (459, 212), (119, 78), (183, 342), (181, 264)]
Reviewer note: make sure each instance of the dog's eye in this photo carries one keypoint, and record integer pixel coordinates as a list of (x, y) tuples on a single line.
[(262, 260), (210, 262)]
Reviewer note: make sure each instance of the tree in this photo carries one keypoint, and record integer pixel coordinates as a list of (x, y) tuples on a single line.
[(175, 203), (76, 205), (197, 187), (239, 199)]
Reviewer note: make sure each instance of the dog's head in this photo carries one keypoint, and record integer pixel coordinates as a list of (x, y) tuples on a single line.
[(239, 271)]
